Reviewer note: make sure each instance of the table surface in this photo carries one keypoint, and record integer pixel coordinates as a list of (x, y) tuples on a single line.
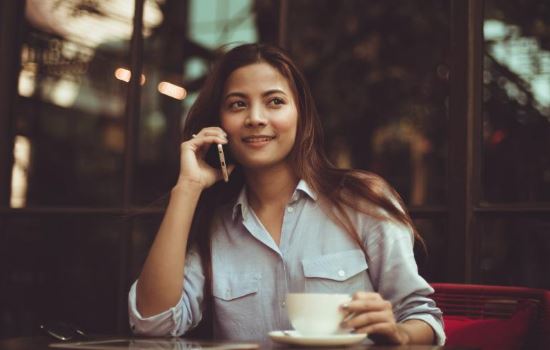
[(43, 343)]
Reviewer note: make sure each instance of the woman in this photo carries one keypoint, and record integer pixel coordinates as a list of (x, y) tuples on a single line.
[(287, 220)]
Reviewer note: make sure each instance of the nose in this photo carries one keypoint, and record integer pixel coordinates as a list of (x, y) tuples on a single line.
[(255, 117)]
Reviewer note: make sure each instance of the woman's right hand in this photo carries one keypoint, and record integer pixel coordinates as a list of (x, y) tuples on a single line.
[(192, 165)]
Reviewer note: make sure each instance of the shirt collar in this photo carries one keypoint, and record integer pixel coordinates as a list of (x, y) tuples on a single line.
[(241, 204), (305, 188)]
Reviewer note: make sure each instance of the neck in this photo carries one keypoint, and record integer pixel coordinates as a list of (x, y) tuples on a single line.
[(270, 187)]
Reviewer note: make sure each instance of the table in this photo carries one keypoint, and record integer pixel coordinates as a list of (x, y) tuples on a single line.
[(43, 342)]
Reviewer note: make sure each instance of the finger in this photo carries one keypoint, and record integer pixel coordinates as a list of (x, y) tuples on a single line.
[(362, 330), (365, 305), (362, 295), (368, 318), (200, 144), (201, 141), (210, 131), (349, 316)]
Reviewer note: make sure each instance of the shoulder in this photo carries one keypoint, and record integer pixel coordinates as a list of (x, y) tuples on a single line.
[(367, 192), (385, 231), (374, 208)]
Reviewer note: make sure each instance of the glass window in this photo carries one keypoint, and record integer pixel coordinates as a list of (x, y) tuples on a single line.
[(514, 251), (431, 256), (144, 231), (69, 114), (516, 95), (379, 71), (213, 23)]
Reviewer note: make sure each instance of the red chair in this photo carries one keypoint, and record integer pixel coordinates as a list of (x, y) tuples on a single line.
[(494, 317)]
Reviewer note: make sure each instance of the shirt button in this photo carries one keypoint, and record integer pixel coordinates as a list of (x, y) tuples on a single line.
[(290, 209), (341, 273), (283, 304)]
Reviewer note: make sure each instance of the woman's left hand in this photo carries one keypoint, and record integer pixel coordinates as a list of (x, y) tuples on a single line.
[(370, 313)]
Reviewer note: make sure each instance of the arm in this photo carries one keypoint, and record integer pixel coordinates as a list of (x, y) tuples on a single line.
[(160, 283), (417, 332), (161, 279), (400, 312)]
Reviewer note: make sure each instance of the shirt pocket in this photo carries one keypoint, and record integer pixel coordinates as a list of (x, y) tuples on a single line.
[(236, 296), (342, 272)]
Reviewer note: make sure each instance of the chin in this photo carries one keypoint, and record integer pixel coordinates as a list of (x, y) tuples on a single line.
[(259, 164)]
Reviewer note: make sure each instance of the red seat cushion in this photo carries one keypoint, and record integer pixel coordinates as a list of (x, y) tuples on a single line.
[(490, 333)]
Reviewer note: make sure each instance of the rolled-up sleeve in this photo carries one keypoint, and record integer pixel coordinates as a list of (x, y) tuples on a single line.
[(394, 274), (177, 320)]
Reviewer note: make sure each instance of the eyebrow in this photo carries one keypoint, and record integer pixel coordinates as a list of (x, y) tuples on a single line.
[(266, 93)]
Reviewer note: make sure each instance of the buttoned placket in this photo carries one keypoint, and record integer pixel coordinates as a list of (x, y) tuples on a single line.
[(288, 216), (253, 224), (281, 296)]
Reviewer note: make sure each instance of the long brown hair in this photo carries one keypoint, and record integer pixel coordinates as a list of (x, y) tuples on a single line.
[(339, 189)]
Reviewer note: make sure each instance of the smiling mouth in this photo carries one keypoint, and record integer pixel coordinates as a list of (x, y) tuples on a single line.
[(257, 139)]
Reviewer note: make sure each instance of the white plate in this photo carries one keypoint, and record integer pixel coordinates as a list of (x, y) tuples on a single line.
[(294, 338)]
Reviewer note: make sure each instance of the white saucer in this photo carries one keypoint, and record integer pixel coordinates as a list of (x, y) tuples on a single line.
[(295, 338)]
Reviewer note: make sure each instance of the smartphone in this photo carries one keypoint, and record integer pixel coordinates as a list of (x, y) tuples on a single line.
[(223, 164)]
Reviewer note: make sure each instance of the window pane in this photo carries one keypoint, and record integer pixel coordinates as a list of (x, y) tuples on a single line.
[(70, 107), (432, 256), (178, 54), (59, 268), (516, 115), (144, 232), (379, 71), (515, 252), (213, 23)]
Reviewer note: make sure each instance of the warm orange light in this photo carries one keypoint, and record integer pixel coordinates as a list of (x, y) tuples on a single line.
[(125, 75), (172, 90)]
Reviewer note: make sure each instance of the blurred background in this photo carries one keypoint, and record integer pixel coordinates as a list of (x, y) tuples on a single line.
[(449, 100)]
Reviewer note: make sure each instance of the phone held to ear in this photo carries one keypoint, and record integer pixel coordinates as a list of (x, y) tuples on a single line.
[(223, 163), (219, 158)]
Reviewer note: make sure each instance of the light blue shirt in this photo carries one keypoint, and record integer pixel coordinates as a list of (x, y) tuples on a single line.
[(252, 275)]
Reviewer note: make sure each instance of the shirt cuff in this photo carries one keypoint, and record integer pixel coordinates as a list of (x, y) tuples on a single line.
[(436, 325), (162, 324)]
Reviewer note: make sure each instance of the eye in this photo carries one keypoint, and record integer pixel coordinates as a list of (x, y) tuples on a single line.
[(277, 101), (236, 105)]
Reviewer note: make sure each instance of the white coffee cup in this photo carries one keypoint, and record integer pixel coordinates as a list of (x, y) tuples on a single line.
[(315, 314)]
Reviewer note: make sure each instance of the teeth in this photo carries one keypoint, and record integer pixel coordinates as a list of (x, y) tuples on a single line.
[(257, 139)]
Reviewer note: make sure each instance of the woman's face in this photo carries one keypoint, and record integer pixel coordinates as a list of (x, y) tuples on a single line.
[(259, 114)]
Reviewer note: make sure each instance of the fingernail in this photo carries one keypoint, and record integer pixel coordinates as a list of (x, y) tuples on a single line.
[(344, 306)]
